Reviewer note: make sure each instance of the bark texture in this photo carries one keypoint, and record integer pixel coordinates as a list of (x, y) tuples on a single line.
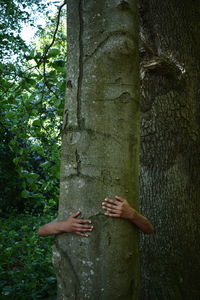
[(170, 148), (100, 150)]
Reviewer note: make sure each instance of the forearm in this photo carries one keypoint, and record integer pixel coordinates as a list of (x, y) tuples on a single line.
[(50, 228), (141, 222)]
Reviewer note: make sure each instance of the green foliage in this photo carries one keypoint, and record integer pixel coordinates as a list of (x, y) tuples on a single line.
[(26, 271), (10, 184), (13, 15), (31, 105), (32, 83)]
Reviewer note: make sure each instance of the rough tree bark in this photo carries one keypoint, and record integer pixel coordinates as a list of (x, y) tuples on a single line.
[(100, 150), (170, 153)]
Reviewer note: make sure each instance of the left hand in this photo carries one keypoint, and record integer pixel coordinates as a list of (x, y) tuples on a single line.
[(118, 208)]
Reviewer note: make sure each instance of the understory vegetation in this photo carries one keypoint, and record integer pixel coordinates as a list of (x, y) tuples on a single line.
[(26, 271), (32, 88)]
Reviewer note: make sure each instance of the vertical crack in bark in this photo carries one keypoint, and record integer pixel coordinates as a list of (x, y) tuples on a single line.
[(80, 77), (78, 163), (65, 120)]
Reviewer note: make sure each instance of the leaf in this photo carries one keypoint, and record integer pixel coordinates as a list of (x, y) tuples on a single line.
[(31, 177), (36, 123), (25, 194), (58, 63), (38, 149), (45, 164), (16, 160), (53, 52), (11, 67), (31, 81), (38, 55)]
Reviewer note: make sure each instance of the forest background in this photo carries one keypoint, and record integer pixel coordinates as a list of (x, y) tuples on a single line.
[(32, 87)]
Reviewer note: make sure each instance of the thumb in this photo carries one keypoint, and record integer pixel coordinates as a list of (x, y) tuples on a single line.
[(75, 215)]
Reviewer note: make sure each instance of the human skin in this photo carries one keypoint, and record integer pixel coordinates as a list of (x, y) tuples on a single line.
[(117, 208), (72, 225), (120, 208)]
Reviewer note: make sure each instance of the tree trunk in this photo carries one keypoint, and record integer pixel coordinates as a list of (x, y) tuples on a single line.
[(170, 153), (100, 150)]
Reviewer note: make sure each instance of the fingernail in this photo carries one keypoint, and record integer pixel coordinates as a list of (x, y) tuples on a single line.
[(106, 199), (103, 203)]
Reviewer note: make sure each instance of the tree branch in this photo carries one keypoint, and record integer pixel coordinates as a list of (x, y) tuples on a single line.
[(54, 35)]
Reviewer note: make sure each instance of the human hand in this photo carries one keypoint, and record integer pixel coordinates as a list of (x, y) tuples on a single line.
[(118, 208), (74, 225)]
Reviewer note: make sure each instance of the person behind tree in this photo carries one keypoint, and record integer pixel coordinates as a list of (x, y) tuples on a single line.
[(117, 208)]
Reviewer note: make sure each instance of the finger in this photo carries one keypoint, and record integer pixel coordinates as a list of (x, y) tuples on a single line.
[(104, 204), (111, 215), (108, 200), (114, 211), (76, 214), (84, 221), (81, 234), (83, 228), (119, 198)]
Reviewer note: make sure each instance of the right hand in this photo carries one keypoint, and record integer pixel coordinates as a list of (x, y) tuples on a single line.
[(77, 226)]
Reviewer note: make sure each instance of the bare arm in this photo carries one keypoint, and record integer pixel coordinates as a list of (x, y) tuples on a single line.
[(72, 224), (120, 208)]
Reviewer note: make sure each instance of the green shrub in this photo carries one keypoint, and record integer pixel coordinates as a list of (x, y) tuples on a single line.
[(26, 270)]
